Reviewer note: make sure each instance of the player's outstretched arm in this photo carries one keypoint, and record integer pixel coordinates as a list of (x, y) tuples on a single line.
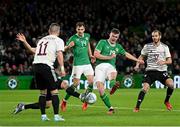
[(71, 44), (136, 68), (22, 38), (131, 57)]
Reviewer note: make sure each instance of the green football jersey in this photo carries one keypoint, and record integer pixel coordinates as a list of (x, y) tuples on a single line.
[(106, 49), (80, 49)]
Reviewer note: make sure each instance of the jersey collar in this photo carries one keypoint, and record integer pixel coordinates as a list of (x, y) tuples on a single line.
[(113, 45), (79, 36)]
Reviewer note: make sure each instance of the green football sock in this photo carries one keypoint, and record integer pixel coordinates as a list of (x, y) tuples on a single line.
[(67, 97), (112, 83), (89, 88), (106, 101)]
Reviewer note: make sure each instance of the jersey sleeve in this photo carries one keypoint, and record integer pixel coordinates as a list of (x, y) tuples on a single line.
[(99, 46), (69, 40), (144, 51), (121, 50), (60, 45), (88, 35), (167, 52)]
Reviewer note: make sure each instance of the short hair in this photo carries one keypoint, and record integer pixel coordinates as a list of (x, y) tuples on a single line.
[(157, 31), (54, 28), (115, 31), (80, 24)]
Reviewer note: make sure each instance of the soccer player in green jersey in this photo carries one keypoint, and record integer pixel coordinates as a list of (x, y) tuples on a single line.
[(80, 45), (105, 53)]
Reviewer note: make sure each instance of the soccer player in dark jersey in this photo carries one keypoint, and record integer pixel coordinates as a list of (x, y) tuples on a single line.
[(157, 57)]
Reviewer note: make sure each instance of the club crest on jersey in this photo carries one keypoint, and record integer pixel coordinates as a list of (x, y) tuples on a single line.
[(117, 49), (87, 38)]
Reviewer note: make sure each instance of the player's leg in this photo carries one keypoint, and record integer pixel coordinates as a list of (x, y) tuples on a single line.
[(42, 104), (165, 79), (76, 74), (40, 71), (148, 78), (114, 85), (55, 104), (100, 76), (88, 90), (112, 74), (90, 82), (64, 85), (51, 82), (71, 91), (21, 106), (42, 99), (170, 89), (89, 73), (104, 97), (141, 95)]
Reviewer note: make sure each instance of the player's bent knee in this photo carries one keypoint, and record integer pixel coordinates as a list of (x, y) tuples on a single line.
[(146, 87), (169, 83), (64, 85), (54, 91)]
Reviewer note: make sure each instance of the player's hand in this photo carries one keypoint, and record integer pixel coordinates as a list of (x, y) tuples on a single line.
[(63, 73), (161, 62), (113, 55), (21, 37), (93, 59), (140, 61), (136, 68), (71, 44)]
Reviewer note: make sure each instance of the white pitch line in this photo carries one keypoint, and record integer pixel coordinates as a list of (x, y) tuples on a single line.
[(127, 108), (119, 108)]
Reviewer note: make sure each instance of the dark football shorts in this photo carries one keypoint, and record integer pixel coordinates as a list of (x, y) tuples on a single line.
[(151, 76), (45, 77), (48, 95)]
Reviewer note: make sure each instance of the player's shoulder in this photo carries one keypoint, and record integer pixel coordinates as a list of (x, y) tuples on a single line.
[(87, 34), (118, 44), (164, 45), (103, 40), (73, 37), (148, 44)]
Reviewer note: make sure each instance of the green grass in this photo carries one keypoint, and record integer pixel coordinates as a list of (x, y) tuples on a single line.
[(152, 113)]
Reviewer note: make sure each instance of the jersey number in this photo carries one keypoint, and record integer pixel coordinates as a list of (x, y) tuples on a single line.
[(42, 49)]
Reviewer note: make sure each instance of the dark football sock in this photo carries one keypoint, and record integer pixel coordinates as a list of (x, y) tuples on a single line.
[(55, 103), (32, 106), (168, 94), (71, 91), (42, 103), (67, 96), (140, 98)]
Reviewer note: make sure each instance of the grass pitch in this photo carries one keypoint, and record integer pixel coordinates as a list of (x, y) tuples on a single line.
[(152, 113)]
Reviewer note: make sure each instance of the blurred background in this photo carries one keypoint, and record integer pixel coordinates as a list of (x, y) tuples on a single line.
[(135, 19)]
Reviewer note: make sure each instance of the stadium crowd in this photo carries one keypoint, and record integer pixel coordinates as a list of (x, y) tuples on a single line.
[(135, 20)]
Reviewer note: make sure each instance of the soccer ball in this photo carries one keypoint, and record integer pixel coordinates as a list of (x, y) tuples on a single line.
[(91, 98)]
